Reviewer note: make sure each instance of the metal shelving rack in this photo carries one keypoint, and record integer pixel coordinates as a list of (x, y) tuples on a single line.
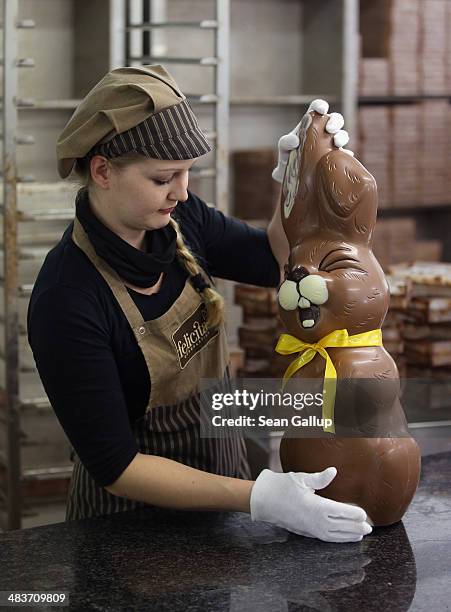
[(13, 401), (154, 29), (11, 404)]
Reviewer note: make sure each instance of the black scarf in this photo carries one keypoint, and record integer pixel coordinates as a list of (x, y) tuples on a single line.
[(132, 265)]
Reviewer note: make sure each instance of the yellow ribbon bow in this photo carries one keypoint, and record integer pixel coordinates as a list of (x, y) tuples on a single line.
[(288, 344)]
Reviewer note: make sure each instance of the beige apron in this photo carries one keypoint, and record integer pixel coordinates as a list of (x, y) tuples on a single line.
[(179, 349)]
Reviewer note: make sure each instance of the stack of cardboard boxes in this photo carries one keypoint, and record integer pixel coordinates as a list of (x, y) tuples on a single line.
[(421, 305), (406, 51), (405, 47), (259, 333), (407, 148), (433, 46), (374, 149)]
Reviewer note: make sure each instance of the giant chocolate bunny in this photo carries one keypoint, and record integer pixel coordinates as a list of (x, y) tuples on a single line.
[(333, 302)]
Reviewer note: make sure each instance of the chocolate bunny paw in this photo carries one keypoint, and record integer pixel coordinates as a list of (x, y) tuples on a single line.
[(318, 133)]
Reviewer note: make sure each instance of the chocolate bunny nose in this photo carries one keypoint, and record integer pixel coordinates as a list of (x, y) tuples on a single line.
[(298, 274)]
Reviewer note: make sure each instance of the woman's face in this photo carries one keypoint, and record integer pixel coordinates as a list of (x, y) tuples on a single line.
[(142, 195)]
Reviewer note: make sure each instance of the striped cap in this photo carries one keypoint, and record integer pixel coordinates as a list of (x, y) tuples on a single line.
[(173, 133), (136, 108)]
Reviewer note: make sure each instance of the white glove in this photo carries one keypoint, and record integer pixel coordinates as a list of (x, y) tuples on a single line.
[(291, 141), (288, 500)]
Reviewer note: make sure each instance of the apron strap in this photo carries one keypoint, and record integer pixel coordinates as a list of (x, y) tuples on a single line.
[(131, 311), (113, 280)]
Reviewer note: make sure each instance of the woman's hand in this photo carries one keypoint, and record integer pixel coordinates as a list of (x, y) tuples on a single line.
[(290, 141), (288, 500)]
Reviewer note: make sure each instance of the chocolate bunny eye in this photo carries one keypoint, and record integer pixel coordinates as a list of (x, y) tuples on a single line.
[(288, 295), (344, 262), (314, 288)]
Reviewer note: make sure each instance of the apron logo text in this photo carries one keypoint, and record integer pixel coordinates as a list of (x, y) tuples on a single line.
[(193, 335)]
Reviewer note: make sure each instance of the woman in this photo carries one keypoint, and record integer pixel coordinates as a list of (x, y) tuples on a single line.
[(130, 276)]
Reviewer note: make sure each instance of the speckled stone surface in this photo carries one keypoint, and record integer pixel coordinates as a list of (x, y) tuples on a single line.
[(170, 561)]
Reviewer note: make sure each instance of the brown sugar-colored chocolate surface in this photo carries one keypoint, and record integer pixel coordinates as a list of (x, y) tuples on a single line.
[(334, 282)]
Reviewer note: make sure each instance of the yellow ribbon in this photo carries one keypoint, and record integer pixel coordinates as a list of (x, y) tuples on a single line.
[(288, 344)]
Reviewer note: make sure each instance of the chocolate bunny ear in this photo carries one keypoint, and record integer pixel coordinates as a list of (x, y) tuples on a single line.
[(347, 197), (325, 189)]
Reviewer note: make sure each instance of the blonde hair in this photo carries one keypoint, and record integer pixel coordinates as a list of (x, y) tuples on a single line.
[(213, 300)]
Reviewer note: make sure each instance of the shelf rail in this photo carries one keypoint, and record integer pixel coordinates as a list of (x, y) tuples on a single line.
[(11, 65)]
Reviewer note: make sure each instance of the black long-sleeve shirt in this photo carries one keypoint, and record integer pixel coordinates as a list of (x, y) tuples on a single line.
[(90, 364)]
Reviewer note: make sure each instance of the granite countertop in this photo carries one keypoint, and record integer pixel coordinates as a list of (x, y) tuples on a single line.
[(168, 561)]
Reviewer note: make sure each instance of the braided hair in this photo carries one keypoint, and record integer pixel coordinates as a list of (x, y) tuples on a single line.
[(213, 300)]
